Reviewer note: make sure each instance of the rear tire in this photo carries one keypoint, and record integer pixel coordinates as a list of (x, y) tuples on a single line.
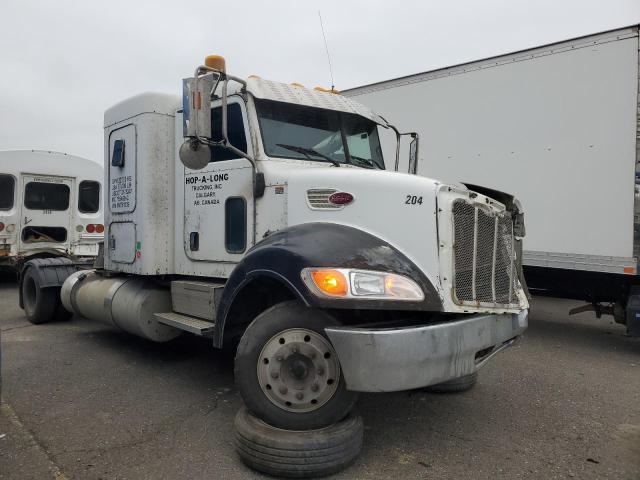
[(287, 371), (40, 304), (297, 454), (456, 385)]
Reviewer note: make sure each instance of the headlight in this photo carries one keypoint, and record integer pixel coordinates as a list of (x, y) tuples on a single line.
[(360, 284)]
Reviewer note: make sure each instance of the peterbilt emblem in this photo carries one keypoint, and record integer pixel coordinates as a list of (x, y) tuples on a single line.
[(341, 198)]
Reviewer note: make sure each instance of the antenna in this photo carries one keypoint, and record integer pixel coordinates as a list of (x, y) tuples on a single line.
[(327, 49)]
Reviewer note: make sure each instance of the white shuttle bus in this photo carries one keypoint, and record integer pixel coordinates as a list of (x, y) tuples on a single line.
[(50, 206)]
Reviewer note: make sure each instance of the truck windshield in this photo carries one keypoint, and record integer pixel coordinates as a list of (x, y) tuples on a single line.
[(295, 131)]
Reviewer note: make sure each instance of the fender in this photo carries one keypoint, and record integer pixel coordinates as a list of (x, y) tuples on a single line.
[(285, 253), (51, 272)]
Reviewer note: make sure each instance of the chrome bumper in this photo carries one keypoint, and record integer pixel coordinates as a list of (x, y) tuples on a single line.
[(388, 360)]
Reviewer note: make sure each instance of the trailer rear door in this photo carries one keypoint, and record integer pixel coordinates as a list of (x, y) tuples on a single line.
[(46, 212)]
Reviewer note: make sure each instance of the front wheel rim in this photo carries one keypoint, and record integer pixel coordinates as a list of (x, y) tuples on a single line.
[(298, 370)]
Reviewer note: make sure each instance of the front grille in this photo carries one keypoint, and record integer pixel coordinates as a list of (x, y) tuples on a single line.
[(483, 255)]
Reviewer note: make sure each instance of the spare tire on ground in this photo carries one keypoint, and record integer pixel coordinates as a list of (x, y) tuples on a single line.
[(297, 454)]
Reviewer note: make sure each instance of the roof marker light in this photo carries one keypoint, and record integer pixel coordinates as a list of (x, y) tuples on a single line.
[(327, 90), (216, 61)]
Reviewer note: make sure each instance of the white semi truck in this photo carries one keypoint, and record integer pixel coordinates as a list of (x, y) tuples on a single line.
[(259, 214), (559, 127)]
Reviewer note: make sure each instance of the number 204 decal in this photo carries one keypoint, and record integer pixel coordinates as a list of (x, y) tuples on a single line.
[(413, 200)]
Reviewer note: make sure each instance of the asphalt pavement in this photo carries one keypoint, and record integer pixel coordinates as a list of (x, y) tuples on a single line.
[(84, 401)]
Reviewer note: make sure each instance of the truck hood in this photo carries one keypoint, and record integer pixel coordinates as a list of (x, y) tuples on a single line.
[(395, 207), (411, 213)]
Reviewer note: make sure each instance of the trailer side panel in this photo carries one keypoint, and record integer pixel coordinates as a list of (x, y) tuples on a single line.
[(556, 126)]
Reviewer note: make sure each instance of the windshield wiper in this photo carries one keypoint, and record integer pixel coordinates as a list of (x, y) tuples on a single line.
[(364, 161), (307, 152)]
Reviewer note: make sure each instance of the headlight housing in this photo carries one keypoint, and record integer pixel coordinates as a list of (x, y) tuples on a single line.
[(361, 284)]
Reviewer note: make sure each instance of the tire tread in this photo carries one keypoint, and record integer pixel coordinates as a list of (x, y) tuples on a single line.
[(297, 454)]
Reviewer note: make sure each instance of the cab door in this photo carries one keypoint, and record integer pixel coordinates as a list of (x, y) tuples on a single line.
[(46, 212), (218, 200)]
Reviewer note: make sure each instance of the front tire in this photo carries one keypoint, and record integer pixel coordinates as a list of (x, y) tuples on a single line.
[(287, 371)]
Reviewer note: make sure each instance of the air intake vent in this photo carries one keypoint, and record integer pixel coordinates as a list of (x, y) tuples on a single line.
[(318, 199)]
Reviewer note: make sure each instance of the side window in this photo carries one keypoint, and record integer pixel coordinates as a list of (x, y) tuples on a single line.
[(7, 191), (46, 196), (359, 145), (89, 196), (117, 159), (235, 130), (235, 225)]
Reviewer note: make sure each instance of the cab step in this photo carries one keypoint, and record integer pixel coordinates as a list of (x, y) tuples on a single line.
[(189, 324)]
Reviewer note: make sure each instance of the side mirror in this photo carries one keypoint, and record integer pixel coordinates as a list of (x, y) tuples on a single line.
[(196, 106), (196, 121), (413, 154), (194, 154)]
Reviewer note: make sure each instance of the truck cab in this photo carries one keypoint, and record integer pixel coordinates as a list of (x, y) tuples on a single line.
[(261, 215)]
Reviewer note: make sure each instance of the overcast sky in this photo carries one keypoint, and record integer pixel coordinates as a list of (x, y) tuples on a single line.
[(64, 62)]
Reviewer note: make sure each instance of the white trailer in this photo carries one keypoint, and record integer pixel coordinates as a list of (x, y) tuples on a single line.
[(50, 206), (259, 214), (558, 127)]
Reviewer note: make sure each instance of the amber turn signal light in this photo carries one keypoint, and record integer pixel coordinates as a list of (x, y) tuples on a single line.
[(330, 282)]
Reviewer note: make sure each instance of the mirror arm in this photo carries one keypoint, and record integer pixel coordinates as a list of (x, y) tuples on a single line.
[(222, 76), (215, 86), (398, 135), (225, 133), (416, 137)]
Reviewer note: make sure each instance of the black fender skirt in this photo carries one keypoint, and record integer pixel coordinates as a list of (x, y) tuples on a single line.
[(51, 272), (285, 253)]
